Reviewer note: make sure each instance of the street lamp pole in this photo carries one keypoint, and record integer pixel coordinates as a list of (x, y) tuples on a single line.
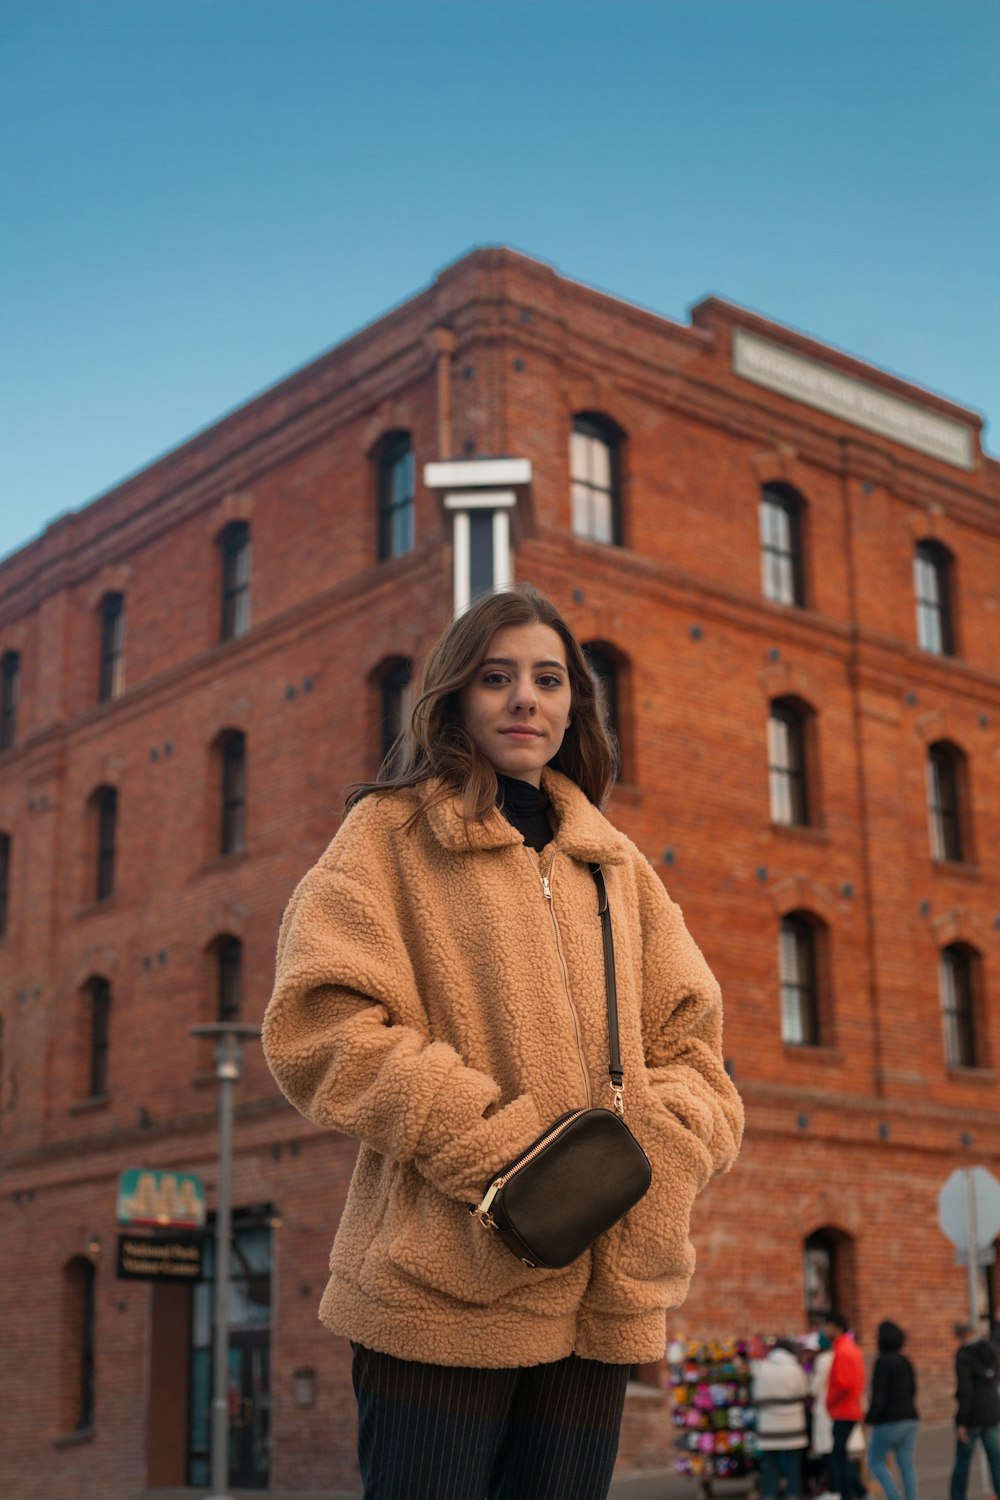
[(229, 1037)]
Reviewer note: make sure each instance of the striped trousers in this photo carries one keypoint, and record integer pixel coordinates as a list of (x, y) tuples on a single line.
[(433, 1432)]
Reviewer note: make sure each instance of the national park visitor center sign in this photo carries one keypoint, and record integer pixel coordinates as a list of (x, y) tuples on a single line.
[(853, 400)]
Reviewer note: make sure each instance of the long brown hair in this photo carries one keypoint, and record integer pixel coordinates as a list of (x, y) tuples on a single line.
[(435, 743)]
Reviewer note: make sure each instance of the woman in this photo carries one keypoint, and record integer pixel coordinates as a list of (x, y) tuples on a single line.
[(892, 1414), (440, 994), (779, 1396)]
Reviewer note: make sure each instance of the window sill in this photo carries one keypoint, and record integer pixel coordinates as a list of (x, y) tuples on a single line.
[(93, 908), (959, 867), (222, 861), (73, 1439), (805, 831), (958, 1074), (92, 1105), (813, 1052)]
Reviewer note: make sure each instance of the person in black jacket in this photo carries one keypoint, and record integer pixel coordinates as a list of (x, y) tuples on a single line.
[(978, 1411), (892, 1414)]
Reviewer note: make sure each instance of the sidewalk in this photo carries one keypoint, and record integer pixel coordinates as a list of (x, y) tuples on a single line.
[(935, 1450)]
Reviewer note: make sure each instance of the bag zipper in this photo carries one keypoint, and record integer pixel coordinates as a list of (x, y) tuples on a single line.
[(482, 1213)]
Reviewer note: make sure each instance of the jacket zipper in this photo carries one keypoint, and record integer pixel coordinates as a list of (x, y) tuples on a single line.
[(546, 880)]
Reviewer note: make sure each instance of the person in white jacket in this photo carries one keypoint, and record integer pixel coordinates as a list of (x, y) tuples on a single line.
[(779, 1395)]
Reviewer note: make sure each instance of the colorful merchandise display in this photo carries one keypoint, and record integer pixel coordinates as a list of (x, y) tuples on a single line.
[(712, 1406)]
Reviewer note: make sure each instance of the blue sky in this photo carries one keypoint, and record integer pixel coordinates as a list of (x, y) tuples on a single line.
[(201, 195)]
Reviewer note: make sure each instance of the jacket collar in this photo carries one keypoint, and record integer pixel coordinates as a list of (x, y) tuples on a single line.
[(584, 833)]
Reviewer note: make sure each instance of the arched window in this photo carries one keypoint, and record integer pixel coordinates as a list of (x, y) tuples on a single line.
[(395, 484), (10, 697), (787, 749), (608, 666), (112, 616), (829, 1275), (4, 882), (234, 547), (396, 701), (97, 997), (799, 970), (958, 976), (932, 569), (595, 448), (77, 1346), (945, 776), (103, 817), (229, 978), (781, 569), (232, 755)]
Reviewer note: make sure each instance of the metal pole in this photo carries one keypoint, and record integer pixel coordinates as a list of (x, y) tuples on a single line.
[(228, 1037), (227, 1070), (972, 1238)]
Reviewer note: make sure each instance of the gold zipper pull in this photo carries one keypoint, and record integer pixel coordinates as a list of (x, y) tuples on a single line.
[(546, 888)]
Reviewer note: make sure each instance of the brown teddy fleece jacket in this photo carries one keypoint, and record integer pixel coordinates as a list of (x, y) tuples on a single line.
[(443, 1002)]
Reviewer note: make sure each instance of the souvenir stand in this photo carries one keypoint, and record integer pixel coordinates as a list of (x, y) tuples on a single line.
[(713, 1410)]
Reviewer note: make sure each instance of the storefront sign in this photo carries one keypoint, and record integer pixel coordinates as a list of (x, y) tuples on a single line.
[(169, 1200), (854, 400), (147, 1259)]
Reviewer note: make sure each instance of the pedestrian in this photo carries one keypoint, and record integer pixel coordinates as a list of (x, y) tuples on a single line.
[(844, 1391), (977, 1414), (441, 994), (779, 1397), (821, 1429), (892, 1414)]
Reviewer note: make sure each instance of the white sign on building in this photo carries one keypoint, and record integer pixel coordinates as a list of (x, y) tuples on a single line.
[(854, 400)]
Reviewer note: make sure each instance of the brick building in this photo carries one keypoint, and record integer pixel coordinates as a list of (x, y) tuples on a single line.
[(787, 566)]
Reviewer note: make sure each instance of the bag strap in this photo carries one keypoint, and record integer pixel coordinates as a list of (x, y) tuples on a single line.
[(615, 1070)]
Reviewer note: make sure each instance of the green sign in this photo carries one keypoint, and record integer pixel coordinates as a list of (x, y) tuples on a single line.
[(170, 1200)]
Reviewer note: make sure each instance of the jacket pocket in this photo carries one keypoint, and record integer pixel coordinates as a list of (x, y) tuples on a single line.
[(655, 1241), (436, 1242)]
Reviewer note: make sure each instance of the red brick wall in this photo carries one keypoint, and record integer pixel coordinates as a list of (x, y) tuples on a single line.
[(856, 1135)]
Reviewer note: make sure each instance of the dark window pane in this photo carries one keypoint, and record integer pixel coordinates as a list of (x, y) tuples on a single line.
[(786, 742), (396, 471), (605, 669), (931, 568), (780, 547), (10, 693), (107, 827), (78, 1351), (957, 1007), (397, 701), (100, 1036), (4, 881), (230, 979), (480, 552), (112, 646), (235, 546), (594, 480), (799, 999), (943, 802), (233, 840)]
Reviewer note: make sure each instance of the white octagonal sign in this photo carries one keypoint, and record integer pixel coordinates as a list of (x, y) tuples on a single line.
[(953, 1211)]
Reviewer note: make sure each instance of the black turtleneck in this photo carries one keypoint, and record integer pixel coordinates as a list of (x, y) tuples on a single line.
[(525, 807)]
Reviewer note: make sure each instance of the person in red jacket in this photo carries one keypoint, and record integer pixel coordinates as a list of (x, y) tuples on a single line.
[(844, 1394)]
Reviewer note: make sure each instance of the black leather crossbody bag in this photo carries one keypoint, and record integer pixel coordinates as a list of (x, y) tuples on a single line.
[(583, 1173)]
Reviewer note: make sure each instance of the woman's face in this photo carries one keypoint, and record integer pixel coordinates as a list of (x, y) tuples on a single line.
[(516, 708)]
